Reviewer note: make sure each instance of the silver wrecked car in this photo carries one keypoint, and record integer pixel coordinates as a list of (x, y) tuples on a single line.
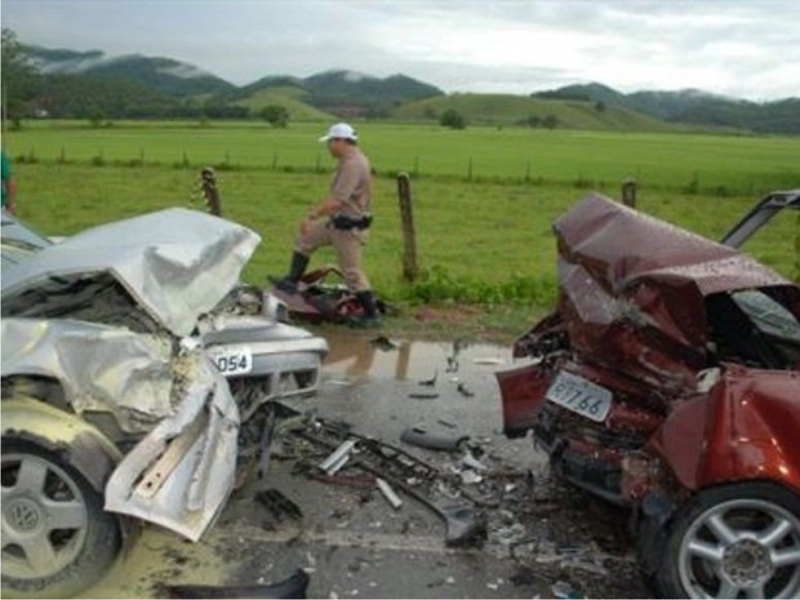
[(137, 373)]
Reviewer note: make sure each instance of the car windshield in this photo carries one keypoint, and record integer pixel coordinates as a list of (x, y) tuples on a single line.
[(771, 318)]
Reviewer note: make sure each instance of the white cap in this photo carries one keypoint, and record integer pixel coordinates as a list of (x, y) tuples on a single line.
[(340, 131)]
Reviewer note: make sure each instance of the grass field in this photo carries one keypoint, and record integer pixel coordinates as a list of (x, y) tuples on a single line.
[(478, 242), (695, 164)]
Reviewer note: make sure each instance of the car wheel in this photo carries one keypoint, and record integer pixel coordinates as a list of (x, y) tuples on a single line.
[(56, 537), (736, 541)]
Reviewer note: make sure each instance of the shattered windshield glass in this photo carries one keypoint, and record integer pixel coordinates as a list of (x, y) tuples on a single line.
[(768, 315)]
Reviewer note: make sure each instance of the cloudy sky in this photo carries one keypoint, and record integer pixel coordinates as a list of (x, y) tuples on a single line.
[(741, 48)]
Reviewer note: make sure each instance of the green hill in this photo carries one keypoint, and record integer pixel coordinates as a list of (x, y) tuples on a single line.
[(292, 98), (508, 109), (693, 107)]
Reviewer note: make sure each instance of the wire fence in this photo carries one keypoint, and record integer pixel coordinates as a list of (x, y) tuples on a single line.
[(694, 183)]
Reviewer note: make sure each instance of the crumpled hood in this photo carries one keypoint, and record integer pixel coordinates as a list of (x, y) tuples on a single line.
[(177, 263)]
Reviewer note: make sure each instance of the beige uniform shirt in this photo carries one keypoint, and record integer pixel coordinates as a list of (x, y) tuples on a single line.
[(352, 185)]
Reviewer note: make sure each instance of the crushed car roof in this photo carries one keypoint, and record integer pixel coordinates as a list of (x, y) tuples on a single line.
[(177, 263), (620, 246)]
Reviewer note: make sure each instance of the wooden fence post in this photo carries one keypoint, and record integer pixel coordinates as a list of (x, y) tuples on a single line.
[(629, 192), (208, 181), (410, 268)]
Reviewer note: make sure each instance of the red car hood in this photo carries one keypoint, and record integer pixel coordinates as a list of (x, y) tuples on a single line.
[(632, 289)]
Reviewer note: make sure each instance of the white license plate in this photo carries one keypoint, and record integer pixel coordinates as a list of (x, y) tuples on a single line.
[(580, 395), (233, 361)]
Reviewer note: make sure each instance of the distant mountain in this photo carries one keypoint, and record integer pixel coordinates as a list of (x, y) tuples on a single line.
[(162, 75), (338, 92), (347, 93), (692, 106), (77, 84), (342, 88)]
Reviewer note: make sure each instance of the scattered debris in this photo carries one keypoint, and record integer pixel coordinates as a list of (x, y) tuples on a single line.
[(338, 459), (464, 391), (563, 589), (488, 361), (447, 424), (419, 396), (295, 586), (470, 477), (465, 525), (430, 382), (465, 522), (511, 535), (470, 461), (416, 436), (278, 504), (388, 493)]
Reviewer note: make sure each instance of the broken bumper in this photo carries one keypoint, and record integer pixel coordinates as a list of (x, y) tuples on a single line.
[(182, 472), (285, 360)]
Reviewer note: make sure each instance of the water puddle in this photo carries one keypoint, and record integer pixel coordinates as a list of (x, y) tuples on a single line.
[(359, 357)]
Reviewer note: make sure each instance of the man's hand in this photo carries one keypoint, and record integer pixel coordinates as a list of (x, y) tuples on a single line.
[(305, 225)]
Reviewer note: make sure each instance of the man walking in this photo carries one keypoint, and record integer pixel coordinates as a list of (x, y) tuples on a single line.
[(341, 220)]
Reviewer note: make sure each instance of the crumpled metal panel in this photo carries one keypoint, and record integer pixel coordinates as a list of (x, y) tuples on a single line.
[(618, 246), (633, 288), (100, 368), (180, 475), (177, 263), (744, 429)]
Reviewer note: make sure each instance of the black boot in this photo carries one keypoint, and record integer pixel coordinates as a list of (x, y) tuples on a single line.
[(297, 268), (371, 316)]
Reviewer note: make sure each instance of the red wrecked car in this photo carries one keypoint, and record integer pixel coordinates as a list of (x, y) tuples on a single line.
[(668, 380)]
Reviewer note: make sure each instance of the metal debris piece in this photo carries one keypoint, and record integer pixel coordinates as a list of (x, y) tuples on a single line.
[(469, 477), (488, 361), (465, 525), (295, 586), (432, 381), (389, 493), (447, 424), (563, 589), (338, 458), (470, 461), (462, 389), (417, 436), (278, 504), (418, 396)]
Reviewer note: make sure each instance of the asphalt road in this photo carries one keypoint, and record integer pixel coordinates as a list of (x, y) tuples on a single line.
[(542, 539)]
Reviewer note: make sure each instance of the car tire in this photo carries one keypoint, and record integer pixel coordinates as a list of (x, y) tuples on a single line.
[(733, 541), (56, 538)]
